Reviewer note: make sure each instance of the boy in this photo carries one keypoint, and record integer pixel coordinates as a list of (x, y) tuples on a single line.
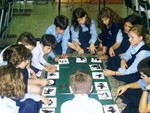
[(27, 39), (19, 56), (133, 94), (60, 30), (81, 86), (38, 63)]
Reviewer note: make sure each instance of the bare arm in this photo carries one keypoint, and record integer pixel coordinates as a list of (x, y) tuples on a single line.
[(122, 89), (79, 49), (144, 107)]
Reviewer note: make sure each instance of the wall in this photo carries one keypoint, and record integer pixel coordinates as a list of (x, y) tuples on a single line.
[(95, 1)]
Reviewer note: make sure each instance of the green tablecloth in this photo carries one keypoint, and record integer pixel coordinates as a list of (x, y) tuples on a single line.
[(62, 84)]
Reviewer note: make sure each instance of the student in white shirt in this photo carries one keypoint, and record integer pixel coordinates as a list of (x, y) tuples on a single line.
[(12, 91), (19, 56), (38, 63), (81, 86)]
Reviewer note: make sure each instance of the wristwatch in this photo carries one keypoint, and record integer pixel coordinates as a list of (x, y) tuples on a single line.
[(147, 90)]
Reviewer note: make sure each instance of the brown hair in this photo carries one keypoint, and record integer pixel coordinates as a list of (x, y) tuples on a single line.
[(11, 82), (16, 54), (109, 13), (81, 82), (27, 38)]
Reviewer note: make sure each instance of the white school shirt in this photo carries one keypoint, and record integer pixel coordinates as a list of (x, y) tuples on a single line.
[(38, 60), (2, 62), (82, 104), (128, 55), (7, 105)]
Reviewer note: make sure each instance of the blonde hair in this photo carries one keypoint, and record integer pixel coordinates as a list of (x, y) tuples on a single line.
[(81, 82), (140, 30), (147, 39), (11, 82)]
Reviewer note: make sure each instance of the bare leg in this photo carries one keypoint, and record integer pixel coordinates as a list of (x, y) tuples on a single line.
[(35, 89)]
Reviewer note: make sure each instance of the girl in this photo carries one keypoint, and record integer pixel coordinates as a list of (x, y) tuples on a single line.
[(122, 39), (83, 32), (137, 51), (19, 56), (12, 90), (109, 22)]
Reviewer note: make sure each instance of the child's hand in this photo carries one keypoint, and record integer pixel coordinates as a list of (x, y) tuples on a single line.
[(52, 68), (56, 59), (80, 51), (43, 82), (64, 56), (32, 73), (102, 51), (92, 49), (123, 64), (108, 72), (34, 76), (121, 90), (44, 100), (111, 52), (148, 87)]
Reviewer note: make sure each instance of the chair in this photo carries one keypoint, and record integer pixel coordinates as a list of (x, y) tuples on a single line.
[(129, 4), (1, 18), (145, 4), (5, 20)]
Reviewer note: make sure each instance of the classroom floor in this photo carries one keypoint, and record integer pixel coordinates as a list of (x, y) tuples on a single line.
[(42, 15)]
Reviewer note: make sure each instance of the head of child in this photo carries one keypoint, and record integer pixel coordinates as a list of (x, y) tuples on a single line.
[(80, 83), (131, 20), (144, 69), (61, 23), (107, 16), (48, 42), (27, 39), (137, 34), (17, 55), (11, 82), (79, 17)]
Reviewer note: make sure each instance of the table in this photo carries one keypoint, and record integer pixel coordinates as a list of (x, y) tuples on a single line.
[(63, 94)]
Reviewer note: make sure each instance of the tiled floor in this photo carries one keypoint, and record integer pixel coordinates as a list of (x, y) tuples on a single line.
[(42, 16)]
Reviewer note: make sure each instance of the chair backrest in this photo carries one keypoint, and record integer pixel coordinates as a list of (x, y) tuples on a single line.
[(145, 4), (1, 18)]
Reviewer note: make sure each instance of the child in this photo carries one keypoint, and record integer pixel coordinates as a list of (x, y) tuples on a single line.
[(60, 30), (133, 95), (19, 56), (27, 39), (81, 86), (12, 90), (83, 32), (38, 63), (137, 51), (109, 22), (122, 39)]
